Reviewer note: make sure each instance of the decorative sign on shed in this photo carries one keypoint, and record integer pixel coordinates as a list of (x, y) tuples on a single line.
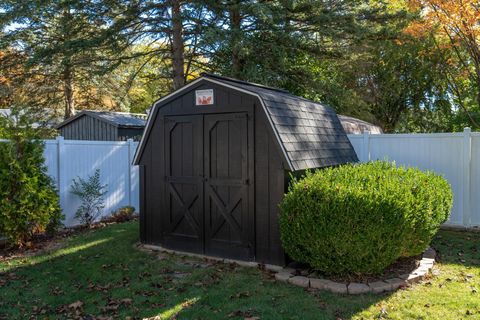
[(204, 97)]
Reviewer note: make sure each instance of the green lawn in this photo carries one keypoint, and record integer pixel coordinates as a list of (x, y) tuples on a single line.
[(100, 273)]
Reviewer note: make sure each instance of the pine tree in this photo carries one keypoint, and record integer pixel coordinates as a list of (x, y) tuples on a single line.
[(67, 43)]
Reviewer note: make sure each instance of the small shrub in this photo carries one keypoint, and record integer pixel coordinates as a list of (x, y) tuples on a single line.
[(359, 219), (29, 202), (91, 193), (123, 214)]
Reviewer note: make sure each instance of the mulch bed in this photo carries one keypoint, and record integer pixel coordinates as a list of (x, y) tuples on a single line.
[(400, 267)]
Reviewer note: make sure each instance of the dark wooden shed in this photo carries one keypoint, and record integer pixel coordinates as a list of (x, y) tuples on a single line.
[(215, 160), (103, 125)]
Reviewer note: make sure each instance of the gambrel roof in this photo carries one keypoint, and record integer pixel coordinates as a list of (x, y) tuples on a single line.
[(310, 134)]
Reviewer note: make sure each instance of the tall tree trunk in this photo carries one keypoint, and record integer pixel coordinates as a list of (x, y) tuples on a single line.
[(68, 92), (477, 67), (235, 29), (178, 56), (67, 74)]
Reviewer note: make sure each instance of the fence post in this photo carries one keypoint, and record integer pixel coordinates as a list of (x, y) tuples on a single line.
[(130, 149), (60, 150), (466, 197), (366, 146)]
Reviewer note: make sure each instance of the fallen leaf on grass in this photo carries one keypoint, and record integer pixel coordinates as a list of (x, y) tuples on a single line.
[(113, 304), (241, 295), (72, 310), (56, 291), (247, 314), (76, 305), (99, 288)]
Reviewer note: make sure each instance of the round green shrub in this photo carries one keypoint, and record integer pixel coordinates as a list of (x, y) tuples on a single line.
[(360, 218)]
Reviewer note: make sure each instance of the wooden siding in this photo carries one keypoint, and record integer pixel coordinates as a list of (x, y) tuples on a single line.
[(266, 168), (269, 188), (89, 128)]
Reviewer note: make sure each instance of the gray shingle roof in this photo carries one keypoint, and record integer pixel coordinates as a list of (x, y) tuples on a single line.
[(119, 119), (122, 119), (311, 133)]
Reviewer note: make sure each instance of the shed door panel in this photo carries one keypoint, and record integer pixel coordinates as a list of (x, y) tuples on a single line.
[(183, 223), (228, 220)]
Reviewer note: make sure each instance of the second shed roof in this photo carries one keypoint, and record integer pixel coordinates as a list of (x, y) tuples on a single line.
[(118, 119)]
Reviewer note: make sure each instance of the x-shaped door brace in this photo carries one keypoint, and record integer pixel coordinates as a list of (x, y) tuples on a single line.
[(226, 212), (185, 210)]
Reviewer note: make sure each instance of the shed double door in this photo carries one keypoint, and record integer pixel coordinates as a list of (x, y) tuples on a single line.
[(207, 190)]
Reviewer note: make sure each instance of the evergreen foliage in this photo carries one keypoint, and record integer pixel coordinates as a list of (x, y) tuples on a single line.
[(29, 203), (359, 219)]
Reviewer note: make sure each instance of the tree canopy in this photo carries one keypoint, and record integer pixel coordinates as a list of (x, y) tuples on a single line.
[(406, 65)]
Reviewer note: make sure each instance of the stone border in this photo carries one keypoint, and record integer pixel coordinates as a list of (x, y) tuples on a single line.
[(428, 259), (289, 275)]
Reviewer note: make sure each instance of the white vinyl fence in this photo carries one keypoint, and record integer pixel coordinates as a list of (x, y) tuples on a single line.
[(68, 159), (456, 156)]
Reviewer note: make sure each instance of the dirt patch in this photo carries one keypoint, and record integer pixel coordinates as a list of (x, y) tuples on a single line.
[(38, 245), (42, 242)]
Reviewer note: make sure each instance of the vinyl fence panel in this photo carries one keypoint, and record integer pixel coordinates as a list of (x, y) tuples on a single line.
[(51, 158), (69, 159), (475, 180), (456, 156)]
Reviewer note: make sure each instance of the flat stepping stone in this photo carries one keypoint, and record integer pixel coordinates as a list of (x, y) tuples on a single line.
[(396, 283), (318, 283), (379, 286), (335, 287), (358, 288), (273, 268), (300, 281), (282, 276)]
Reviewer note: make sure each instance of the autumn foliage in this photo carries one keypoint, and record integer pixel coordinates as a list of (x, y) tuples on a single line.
[(454, 24)]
